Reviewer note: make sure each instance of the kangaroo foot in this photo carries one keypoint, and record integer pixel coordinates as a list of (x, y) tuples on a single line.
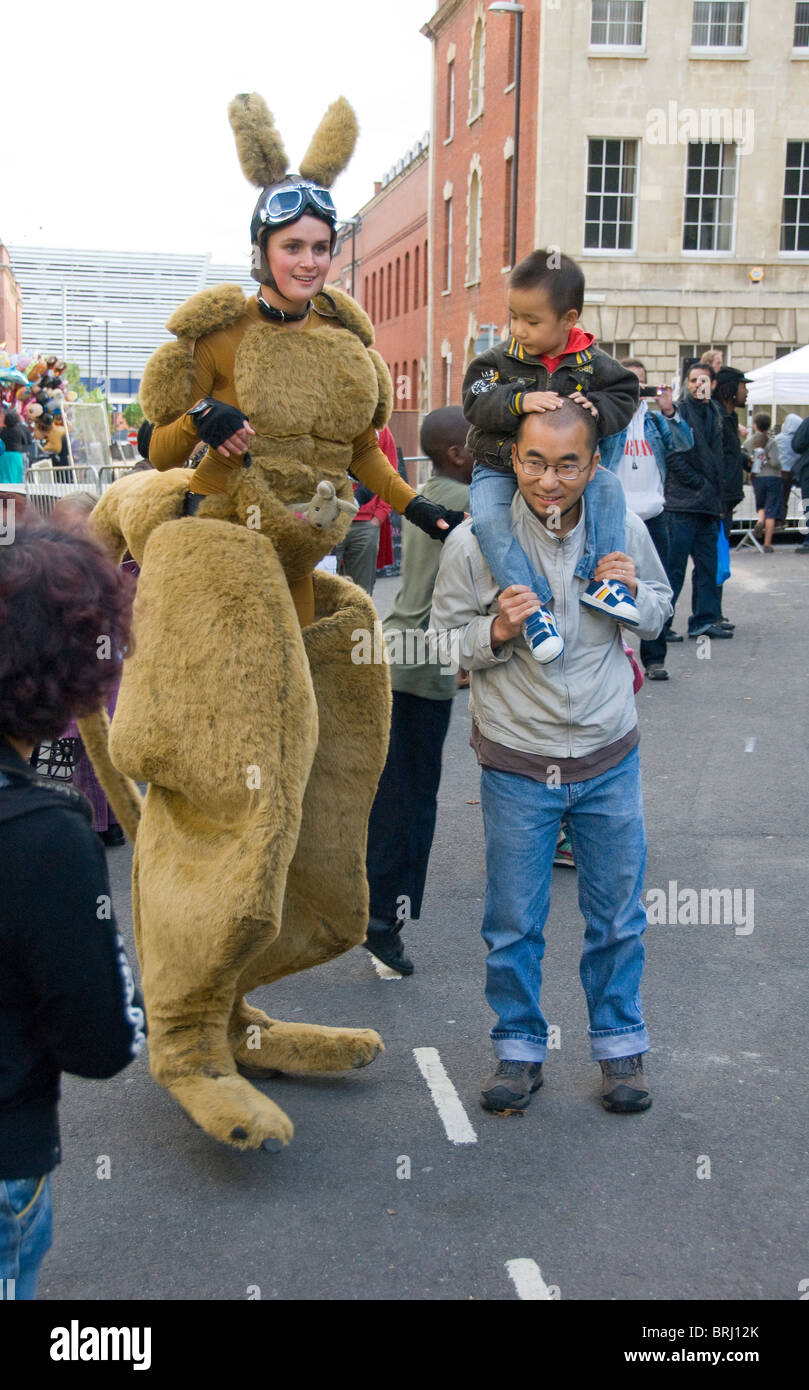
[(233, 1111), (301, 1047)]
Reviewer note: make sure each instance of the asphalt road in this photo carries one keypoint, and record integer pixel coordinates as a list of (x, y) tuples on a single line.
[(606, 1207)]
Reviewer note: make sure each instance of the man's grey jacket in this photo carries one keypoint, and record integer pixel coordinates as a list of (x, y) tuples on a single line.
[(583, 701)]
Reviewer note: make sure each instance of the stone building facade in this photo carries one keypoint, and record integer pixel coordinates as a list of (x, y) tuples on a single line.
[(391, 254), (10, 306), (665, 147), (684, 183)]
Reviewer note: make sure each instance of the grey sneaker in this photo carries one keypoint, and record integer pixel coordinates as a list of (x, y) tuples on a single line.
[(509, 1090), (623, 1088)]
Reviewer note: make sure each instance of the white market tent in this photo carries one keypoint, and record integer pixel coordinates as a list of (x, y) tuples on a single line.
[(782, 382)]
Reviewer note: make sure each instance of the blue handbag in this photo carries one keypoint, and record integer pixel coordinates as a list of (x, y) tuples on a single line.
[(722, 557)]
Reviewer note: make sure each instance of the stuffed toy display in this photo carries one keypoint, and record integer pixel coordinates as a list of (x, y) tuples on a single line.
[(260, 738)]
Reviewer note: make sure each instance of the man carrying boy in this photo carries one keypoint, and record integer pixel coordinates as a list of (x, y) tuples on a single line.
[(547, 357), (553, 743)]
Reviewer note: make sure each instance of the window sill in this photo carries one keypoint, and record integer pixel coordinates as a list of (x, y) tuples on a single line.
[(449, 139), (449, 291), (471, 284), (618, 252), (800, 55), (505, 270), (793, 255), (719, 55), (509, 88), (708, 255), (595, 52), (471, 119)]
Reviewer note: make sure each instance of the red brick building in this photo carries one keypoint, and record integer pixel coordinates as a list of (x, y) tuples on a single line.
[(390, 279), (10, 306), (471, 172)]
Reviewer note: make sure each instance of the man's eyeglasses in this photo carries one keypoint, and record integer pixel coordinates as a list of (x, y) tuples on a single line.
[(566, 472)]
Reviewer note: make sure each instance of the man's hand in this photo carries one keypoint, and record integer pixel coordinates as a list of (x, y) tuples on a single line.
[(582, 400), (618, 566), (516, 603), (665, 402), (540, 400)]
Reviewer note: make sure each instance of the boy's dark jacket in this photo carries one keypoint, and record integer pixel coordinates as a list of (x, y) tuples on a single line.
[(497, 380), (67, 1000)]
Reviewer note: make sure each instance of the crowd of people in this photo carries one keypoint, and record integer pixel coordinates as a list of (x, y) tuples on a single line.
[(586, 506)]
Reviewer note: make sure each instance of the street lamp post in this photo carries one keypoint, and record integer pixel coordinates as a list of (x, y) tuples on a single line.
[(106, 323), (353, 223), (501, 7)]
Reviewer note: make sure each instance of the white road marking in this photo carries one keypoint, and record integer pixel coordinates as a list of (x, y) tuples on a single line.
[(526, 1277), (749, 745), (447, 1101), (384, 971)]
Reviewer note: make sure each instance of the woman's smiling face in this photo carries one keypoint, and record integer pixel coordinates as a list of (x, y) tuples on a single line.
[(299, 257)]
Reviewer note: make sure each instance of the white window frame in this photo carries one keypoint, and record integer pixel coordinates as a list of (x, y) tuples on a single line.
[(481, 20), (474, 236), (704, 50), (601, 251), (794, 255), (451, 99), (711, 255), (448, 249), (623, 50), (800, 50)]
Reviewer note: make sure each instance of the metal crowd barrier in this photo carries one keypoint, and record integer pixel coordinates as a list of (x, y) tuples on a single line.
[(45, 484)]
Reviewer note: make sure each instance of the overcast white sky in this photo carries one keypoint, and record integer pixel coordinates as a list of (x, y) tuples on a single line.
[(124, 108)]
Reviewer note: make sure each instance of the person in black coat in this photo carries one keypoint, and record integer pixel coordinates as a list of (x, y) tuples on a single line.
[(67, 998), (729, 395), (694, 493)]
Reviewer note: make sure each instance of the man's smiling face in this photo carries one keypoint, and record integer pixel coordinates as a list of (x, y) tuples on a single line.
[(563, 439)]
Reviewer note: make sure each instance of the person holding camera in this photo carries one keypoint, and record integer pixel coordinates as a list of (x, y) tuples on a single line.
[(637, 454)]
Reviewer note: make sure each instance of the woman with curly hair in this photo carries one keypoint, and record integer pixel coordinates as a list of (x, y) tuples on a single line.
[(67, 1000)]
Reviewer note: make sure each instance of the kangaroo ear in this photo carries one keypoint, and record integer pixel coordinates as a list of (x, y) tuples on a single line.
[(332, 144), (259, 146)]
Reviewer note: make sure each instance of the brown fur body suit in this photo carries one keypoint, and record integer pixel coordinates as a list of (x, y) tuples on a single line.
[(261, 743)]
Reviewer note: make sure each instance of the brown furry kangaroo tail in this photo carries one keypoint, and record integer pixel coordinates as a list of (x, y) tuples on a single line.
[(121, 792)]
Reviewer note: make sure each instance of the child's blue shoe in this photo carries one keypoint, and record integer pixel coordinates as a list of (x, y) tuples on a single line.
[(541, 634), (613, 598)]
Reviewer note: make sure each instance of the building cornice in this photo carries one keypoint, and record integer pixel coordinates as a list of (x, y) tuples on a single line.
[(439, 21)]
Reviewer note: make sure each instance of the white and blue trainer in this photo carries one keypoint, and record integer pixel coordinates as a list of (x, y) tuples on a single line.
[(613, 598)]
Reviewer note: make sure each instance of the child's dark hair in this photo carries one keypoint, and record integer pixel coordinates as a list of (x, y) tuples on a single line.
[(559, 276), (762, 422)]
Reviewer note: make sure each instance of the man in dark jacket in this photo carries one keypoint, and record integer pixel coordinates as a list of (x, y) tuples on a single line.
[(800, 474), (695, 504), (729, 395)]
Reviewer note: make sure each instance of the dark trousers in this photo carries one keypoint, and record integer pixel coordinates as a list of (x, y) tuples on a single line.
[(696, 535), (727, 526), (653, 650), (402, 824)]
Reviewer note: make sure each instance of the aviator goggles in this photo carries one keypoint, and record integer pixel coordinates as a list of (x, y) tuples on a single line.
[(283, 204)]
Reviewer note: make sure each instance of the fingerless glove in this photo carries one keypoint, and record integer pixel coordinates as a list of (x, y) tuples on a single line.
[(426, 515), (215, 421)]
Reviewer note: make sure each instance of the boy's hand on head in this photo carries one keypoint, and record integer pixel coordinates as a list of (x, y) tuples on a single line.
[(540, 400), (582, 400), (618, 566), (516, 603)]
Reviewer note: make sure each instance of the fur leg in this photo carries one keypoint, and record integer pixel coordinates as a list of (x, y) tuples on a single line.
[(262, 1047), (326, 903)]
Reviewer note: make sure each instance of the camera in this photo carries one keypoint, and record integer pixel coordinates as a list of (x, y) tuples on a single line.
[(650, 390)]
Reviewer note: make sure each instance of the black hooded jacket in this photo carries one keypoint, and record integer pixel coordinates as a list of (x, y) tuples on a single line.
[(67, 998), (695, 478)]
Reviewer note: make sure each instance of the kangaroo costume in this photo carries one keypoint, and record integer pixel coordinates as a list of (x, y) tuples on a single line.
[(260, 739)]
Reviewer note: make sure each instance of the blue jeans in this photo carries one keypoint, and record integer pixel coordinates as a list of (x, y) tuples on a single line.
[(697, 535), (492, 493), (25, 1233), (604, 816)]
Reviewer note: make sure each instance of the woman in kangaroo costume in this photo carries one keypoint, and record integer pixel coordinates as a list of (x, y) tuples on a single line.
[(260, 739)]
